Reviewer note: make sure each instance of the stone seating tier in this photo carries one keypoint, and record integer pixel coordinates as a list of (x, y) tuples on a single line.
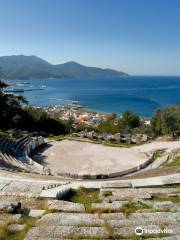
[(3, 143), (11, 163), (16, 154), (20, 142)]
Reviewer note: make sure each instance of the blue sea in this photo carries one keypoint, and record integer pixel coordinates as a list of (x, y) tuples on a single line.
[(142, 95)]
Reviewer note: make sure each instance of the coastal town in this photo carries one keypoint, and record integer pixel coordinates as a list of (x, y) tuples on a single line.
[(88, 119), (79, 114)]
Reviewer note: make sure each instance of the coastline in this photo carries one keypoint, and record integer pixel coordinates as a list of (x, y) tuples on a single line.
[(141, 95)]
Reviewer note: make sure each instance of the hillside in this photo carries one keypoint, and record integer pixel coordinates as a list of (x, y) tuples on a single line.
[(29, 67)]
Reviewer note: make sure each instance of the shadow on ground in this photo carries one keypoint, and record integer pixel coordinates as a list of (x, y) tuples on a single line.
[(37, 154)]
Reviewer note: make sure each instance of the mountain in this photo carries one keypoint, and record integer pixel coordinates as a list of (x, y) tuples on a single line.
[(32, 67)]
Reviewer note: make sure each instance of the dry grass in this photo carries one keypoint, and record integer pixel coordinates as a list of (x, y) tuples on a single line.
[(175, 163), (6, 234), (84, 196)]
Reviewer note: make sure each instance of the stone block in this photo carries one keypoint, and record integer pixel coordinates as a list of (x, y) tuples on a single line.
[(36, 213), (112, 216), (163, 205), (108, 206), (116, 185), (175, 179), (57, 192), (140, 222), (128, 232), (147, 182), (156, 216), (128, 194), (66, 206), (159, 190), (173, 229), (177, 237), (70, 219), (49, 232), (16, 227), (177, 216)]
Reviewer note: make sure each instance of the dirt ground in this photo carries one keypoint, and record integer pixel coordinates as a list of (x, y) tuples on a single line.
[(87, 158)]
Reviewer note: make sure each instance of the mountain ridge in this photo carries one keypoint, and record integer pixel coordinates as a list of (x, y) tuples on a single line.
[(33, 67)]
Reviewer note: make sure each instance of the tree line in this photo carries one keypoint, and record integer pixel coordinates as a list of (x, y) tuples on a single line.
[(13, 115)]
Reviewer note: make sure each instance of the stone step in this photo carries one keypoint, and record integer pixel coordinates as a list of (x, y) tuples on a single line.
[(66, 206), (19, 188), (157, 190), (177, 215), (116, 205), (70, 219), (173, 179), (163, 205), (56, 192), (155, 216), (140, 222), (134, 193), (128, 232), (152, 190), (116, 185), (36, 212), (131, 194), (156, 181), (175, 237), (112, 216), (55, 238), (56, 232), (175, 229)]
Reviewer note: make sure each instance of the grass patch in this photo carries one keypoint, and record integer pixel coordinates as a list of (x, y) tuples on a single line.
[(111, 144), (109, 229), (3, 232), (107, 193), (6, 135), (6, 234), (132, 207), (56, 138), (92, 140), (126, 209), (158, 153), (175, 162), (164, 197), (84, 196)]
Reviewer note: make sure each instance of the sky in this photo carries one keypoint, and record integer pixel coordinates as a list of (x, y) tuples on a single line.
[(140, 37)]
